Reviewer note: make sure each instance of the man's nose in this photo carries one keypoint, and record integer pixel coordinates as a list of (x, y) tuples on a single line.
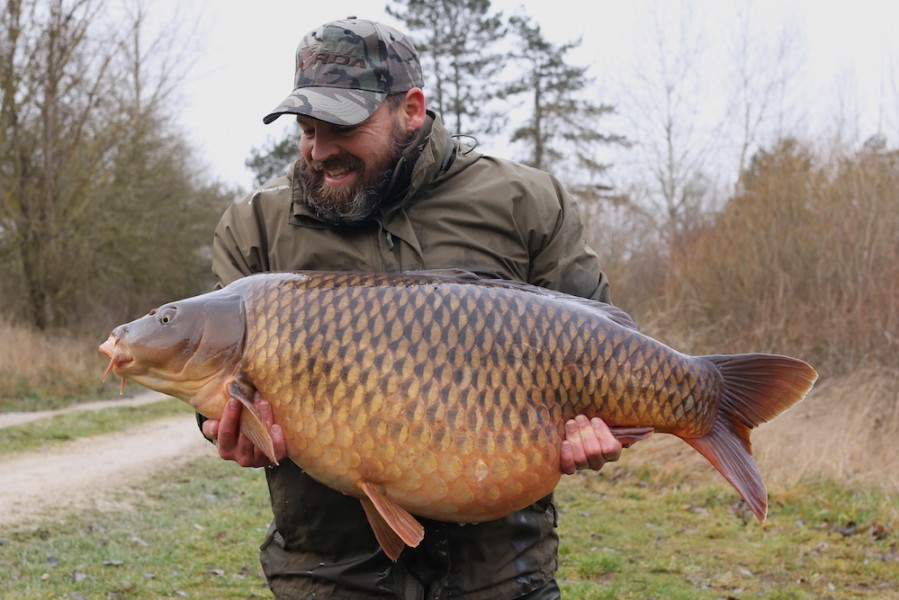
[(324, 145)]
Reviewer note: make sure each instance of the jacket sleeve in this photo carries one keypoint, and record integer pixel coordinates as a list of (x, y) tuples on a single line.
[(561, 259)]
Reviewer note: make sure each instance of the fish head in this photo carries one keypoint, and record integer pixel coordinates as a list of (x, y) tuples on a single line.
[(184, 349)]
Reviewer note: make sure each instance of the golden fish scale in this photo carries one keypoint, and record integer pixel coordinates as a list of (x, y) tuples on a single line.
[(453, 397)]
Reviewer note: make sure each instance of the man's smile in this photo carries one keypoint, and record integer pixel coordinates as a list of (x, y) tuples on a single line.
[(339, 176)]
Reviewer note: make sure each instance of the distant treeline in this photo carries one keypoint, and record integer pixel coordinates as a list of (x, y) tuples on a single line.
[(106, 211), (802, 260)]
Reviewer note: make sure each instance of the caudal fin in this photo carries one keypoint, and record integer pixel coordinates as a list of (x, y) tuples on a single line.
[(757, 388)]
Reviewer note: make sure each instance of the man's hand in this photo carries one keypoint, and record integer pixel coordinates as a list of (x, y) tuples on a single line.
[(588, 444), (232, 445)]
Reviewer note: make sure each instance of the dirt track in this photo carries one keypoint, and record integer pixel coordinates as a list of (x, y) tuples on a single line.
[(91, 472)]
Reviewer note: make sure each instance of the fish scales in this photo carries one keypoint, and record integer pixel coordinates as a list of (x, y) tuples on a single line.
[(442, 395), (525, 371)]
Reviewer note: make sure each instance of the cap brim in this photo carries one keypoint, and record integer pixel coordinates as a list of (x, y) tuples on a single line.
[(339, 106)]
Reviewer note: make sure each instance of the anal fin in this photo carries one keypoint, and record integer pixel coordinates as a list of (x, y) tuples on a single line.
[(631, 435), (394, 527)]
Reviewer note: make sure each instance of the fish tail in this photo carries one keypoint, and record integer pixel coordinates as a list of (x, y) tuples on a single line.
[(756, 388)]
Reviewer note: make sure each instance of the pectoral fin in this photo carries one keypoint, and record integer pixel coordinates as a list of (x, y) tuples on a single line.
[(251, 425), (394, 527)]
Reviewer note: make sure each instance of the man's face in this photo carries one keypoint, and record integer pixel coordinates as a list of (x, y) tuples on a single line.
[(348, 169)]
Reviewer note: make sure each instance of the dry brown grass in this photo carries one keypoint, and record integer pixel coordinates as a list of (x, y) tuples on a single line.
[(805, 261), (845, 430), (46, 370)]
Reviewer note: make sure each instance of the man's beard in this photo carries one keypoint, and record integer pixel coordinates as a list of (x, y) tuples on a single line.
[(351, 206)]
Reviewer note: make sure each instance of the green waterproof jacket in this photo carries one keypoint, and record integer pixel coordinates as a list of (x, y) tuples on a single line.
[(448, 207)]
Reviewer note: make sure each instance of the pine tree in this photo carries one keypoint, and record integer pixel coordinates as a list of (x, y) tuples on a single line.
[(273, 159), (456, 41), (561, 129)]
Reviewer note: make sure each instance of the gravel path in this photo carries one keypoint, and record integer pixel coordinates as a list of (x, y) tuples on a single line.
[(94, 472)]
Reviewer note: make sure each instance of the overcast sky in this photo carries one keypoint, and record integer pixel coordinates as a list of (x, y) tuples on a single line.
[(244, 57)]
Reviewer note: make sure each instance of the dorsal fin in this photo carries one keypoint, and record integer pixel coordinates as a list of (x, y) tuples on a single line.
[(448, 275), (613, 313)]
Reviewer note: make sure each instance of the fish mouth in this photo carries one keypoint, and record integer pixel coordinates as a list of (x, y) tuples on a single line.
[(119, 357)]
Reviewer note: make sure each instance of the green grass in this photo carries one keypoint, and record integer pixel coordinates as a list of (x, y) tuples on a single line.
[(71, 426), (18, 395), (630, 537), (192, 532), (628, 533), (195, 533)]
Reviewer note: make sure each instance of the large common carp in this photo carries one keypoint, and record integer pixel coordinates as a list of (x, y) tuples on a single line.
[(439, 394)]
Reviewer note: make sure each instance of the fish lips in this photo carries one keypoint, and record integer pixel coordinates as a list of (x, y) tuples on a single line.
[(118, 355)]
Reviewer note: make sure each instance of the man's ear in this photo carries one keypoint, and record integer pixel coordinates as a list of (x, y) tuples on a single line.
[(413, 109)]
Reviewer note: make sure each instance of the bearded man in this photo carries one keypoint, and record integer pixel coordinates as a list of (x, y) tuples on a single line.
[(381, 186)]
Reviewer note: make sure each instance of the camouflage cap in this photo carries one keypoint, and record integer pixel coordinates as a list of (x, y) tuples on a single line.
[(346, 68)]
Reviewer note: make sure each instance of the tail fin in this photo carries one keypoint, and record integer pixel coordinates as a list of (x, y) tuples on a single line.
[(757, 388)]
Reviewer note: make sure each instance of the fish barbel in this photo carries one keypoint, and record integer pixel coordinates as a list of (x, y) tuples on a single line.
[(439, 394)]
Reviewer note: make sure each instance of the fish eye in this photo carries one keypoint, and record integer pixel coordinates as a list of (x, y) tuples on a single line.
[(166, 315)]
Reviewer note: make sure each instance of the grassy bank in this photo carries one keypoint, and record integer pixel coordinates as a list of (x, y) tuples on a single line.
[(642, 534), (657, 524), (630, 533)]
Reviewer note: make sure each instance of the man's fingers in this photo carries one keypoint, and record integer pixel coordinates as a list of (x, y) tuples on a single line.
[(589, 444), (210, 429), (228, 427), (566, 459), (232, 445), (279, 442), (264, 410), (609, 446), (573, 435), (245, 450), (591, 448)]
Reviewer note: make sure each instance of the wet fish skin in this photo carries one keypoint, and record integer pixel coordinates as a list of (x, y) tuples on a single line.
[(445, 396)]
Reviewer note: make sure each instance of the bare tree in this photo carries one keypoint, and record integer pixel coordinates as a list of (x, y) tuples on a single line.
[(93, 179), (52, 83), (762, 69), (673, 139)]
